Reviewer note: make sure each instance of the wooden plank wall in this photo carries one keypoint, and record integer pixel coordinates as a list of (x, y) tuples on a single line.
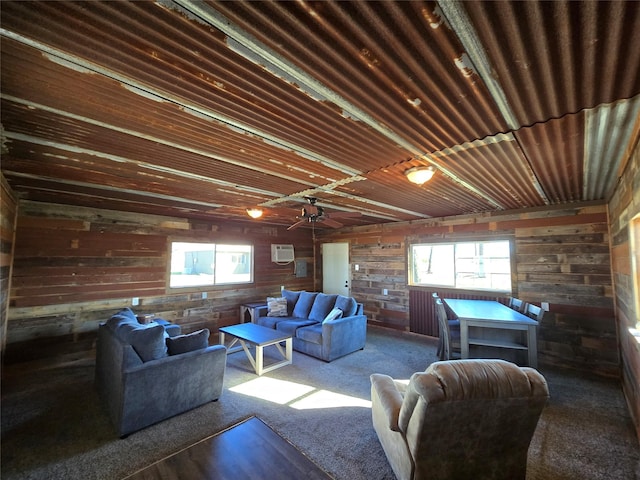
[(562, 258), (623, 208), (74, 267), (8, 212)]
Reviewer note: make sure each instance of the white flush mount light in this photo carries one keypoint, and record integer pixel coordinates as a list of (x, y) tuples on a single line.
[(254, 212), (419, 175)]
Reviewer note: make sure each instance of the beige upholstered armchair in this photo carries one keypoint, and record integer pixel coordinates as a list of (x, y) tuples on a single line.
[(459, 419)]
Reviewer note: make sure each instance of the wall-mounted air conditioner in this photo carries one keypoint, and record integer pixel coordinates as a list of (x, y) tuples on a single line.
[(282, 253)]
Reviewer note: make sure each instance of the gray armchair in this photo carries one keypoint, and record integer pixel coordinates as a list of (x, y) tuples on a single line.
[(460, 419), (144, 381)]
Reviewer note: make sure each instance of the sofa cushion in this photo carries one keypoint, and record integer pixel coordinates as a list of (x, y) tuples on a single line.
[(147, 340), (348, 305), (292, 298), (172, 329), (188, 343), (322, 305), (304, 304), (334, 314), (277, 307), (290, 326), (311, 334), (269, 322)]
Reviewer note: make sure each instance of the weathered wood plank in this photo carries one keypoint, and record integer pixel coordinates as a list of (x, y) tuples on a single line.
[(563, 248), (91, 278), (571, 231), (40, 223), (554, 221)]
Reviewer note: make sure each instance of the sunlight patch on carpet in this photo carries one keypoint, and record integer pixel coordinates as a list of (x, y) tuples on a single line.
[(296, 395), (272, 390), (327, 399)]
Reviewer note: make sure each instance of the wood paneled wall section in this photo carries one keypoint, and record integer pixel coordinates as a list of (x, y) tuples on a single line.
[(624, 206), (562, 258), (74, 267), (8, 211)]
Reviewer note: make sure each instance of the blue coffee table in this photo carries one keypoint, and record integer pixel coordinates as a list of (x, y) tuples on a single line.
[(253, 334)]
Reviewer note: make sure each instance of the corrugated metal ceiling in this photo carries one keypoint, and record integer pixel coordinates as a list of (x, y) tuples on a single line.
[(203, 109)]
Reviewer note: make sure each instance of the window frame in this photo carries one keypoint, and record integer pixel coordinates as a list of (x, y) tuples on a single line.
[(214, 284), (634, 253), (512, 265)]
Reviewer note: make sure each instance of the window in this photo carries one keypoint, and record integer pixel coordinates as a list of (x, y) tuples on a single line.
[(205, 264), (467, 265)]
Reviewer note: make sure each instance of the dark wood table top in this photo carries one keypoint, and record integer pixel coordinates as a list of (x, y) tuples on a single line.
[(250, 449)]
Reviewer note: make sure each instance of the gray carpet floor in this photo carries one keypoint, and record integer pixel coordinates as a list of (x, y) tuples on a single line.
[(54, 427)]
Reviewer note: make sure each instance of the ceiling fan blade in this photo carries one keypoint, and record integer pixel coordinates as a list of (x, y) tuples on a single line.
[(298, 224), (331, 223)]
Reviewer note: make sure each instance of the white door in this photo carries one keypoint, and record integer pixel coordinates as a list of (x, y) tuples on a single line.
[(335, 268)]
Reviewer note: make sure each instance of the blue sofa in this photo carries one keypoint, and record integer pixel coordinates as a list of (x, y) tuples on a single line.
[(148, 373), (308, 317)]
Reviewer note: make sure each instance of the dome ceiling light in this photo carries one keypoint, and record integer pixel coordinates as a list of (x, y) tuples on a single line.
[(254, 212), (419, 175)]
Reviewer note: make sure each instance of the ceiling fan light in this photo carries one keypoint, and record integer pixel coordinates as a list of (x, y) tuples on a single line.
[(419, 175), (254, 212)]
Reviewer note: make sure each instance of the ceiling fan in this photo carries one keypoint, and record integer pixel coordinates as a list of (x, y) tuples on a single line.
[(313, 214)]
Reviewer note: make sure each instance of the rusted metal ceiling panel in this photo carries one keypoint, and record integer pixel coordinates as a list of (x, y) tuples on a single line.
[(577, 157), (555, 150), (397, 61), (87, 170), (57, 191), (438, 197), (559, 57), (115, 150), (497, 166), (608, 131), (121, 112), (122, 195), (144, 44)]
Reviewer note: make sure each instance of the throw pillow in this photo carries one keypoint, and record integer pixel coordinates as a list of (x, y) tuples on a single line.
[(347, 304), (146, 340), (334, 314), (303, 305), (277, 307), (322, 305), (189, 342), (292, 298)]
